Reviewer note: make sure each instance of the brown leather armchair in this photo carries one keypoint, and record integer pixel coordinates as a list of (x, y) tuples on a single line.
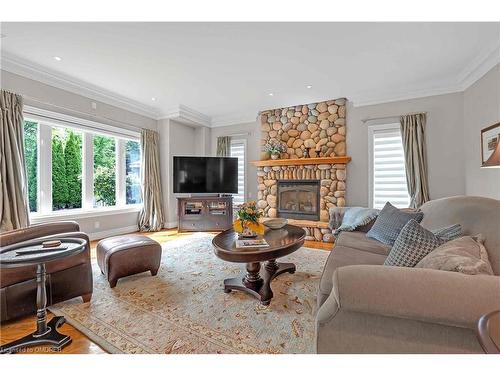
[(66, 278)]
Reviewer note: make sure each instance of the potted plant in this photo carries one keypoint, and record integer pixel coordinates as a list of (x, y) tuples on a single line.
[(274, 148), (247, 224)]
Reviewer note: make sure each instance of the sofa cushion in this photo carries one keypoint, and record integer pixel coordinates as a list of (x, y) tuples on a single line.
[(345, 256), (389, 223), (413, 243), (358, 241), (465, 254)]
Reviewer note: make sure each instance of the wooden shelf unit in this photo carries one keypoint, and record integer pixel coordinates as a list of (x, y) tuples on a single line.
[(209, 214)]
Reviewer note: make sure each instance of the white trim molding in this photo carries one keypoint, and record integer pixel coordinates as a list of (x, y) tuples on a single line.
[(186, 115), (170, 225), (235, 118), (112, 232), (31, 70), (76, 214), (481, 65), (484, 61), (80, 123)]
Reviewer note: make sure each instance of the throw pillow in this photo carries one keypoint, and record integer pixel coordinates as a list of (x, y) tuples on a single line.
[(412, 244), (449, 233), (465, 254), (389, 223), (355, 217)]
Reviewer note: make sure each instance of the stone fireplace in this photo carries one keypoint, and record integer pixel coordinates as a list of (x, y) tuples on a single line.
[(309, 178), (298, 199)]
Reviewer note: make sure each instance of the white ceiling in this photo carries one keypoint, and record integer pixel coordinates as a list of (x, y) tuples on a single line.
[(227, 70)]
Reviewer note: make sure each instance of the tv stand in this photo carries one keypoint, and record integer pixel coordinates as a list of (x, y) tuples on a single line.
[(205, 214)]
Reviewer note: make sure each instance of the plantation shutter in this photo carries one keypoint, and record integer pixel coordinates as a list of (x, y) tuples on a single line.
[(388, 168), (237, 150)]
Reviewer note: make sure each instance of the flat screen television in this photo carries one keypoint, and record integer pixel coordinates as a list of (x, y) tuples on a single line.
[(205, 175)]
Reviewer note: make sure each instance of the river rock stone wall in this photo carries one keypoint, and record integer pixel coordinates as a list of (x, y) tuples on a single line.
[(319, 129), (310, 130)]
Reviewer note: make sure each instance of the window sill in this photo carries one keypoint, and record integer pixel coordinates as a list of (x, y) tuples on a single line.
[(81, 214)]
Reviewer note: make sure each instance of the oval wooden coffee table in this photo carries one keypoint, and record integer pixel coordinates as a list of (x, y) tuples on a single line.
[(281, 242)]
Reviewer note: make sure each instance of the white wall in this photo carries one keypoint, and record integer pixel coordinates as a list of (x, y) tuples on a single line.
[(250, 132), (43, 96), (176, 139), (481, 109), (445, 144)]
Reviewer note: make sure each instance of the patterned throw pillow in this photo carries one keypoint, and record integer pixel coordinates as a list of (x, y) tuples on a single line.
[(414, 242), (389, 223), (449, 233)]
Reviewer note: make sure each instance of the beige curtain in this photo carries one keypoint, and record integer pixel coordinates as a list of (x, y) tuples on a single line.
[(223, 146), (13, 183), (413, 134), (151, 217)]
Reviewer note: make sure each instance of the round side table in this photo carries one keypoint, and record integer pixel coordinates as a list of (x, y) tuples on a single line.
[(488, 332), (32, 253)]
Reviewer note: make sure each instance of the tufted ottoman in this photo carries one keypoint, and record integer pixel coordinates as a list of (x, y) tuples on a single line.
[(127, 255)]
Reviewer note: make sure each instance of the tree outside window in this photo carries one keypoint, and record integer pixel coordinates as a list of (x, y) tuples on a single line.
[(104, 171), (66, 169)]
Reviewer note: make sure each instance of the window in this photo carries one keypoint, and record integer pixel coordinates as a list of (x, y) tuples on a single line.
[(387, 167), (31, 159), (73, 164), (132, 171), (66, 169), (238, 150), (104, 171)]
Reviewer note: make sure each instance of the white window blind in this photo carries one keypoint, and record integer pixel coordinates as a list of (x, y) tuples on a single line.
[(387, 172), (238, 150)]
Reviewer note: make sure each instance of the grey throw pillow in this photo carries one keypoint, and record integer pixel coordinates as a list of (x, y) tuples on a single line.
[(449, 233), (389, 223), (465, 254), (414, 242)]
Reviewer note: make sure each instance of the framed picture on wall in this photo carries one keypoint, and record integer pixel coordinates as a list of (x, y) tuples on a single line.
[(490, 137)]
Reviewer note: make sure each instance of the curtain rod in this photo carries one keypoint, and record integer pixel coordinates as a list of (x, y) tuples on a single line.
[(390, 117), (239, 134), (135, 127)]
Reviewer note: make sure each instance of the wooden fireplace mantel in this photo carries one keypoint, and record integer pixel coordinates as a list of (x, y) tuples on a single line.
[(303, 161)]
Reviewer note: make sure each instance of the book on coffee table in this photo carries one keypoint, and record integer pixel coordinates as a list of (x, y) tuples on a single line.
[(243, 244)]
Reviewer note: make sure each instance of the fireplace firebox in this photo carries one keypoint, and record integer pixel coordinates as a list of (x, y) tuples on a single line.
[(298, 199)]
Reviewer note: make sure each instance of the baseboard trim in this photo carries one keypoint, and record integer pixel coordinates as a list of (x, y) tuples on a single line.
[(170, 225), (113, 232)]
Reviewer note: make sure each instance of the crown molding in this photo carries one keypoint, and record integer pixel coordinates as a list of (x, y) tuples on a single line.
[(186, 115), (233, 119), (481, 65), (366, 99), (477, 68), (30, 70)]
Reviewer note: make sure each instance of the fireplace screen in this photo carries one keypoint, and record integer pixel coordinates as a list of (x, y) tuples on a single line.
[(298, 199)]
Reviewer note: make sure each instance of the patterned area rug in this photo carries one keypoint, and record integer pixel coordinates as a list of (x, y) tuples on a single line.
[(184, 309)]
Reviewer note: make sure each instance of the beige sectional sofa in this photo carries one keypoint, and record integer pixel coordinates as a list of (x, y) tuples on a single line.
[(366, 307)]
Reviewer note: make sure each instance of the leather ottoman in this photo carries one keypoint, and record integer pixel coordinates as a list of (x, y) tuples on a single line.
[(127, 255)]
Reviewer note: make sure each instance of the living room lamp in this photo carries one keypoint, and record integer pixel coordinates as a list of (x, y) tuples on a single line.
[(494, 159)]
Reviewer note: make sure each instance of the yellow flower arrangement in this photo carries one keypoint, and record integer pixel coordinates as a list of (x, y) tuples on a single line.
[(248, 218)]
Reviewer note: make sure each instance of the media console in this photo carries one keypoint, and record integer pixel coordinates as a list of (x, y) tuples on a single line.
[(205, 214)]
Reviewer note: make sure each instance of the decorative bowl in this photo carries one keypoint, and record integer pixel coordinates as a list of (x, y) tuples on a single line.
[(277, 223)]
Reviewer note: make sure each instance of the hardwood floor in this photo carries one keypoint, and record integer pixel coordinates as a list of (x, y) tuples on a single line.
[(81, 344)]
